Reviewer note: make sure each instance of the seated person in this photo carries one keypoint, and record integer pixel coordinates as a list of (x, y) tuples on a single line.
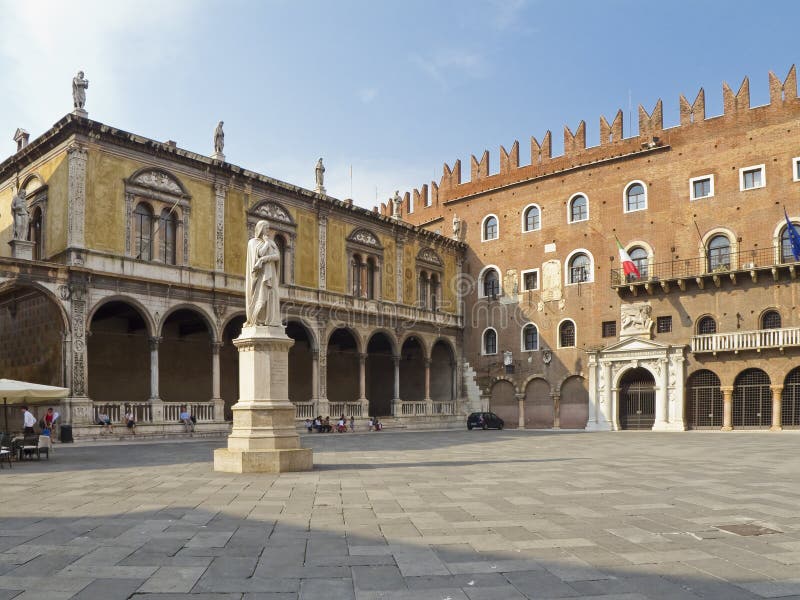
[(378, 425), (104, 420), (318, 424), (309, 425), (187, 420), (130, 421), (341, 426), (326, 425)]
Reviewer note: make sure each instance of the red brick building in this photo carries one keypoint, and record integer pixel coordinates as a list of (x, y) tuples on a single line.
[(708, 336)]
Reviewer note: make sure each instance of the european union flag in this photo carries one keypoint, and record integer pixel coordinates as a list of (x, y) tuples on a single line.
[(794, 236)]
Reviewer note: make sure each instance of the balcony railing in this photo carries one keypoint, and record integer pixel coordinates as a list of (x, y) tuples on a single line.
[(143, 411), (737, 341), (721, 263)]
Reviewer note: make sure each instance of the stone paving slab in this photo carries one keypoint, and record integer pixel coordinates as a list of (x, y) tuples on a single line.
[(411, 515)]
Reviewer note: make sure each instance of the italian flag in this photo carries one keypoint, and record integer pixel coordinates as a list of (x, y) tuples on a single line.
[(628, 265)]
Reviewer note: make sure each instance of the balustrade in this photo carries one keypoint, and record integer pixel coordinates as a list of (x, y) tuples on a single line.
[(736, 341)]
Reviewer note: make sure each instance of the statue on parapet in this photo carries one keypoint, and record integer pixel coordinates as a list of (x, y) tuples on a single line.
[(457, 226), (319, 174), (219, 139), (19, 211), (397, 201), (79, 85), (262, 302)]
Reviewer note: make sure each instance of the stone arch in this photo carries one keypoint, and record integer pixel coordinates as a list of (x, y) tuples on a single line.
[(118, 352), (704, 402), (223, 325), (12, 284), (140, 308), (343, 348), (301, 360), (733, 249), (389, 334), (33, 329), (425, 347), (229, 361), (381, 349), (539, 408), (503, 401), (625, 191), (32, 182), (351, 330), (413, 354), (201, 310), (442, 371), (573, 402), (185, 360), (156, 178), (752, 399)]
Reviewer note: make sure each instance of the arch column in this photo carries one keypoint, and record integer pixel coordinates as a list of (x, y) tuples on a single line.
[(556, 397), (396, 394), (727, 407), (427, 398), (662, 396), (322, 366), (157, 408), (362, 382), (315, 377), (521, 409), (777, 391), (216, 395)]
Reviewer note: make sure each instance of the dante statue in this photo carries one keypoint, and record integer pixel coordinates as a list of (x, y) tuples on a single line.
[(320, 174), (261, 279), (79, 85), (219, 138), (19, 211)]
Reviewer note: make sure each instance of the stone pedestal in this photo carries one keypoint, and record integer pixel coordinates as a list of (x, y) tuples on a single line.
[(79, 112), (218, 156), (22, 249), (263, 439)]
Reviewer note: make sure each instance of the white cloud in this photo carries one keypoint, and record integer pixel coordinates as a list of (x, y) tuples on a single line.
[(367, 95), (43, 43), (446, 65)]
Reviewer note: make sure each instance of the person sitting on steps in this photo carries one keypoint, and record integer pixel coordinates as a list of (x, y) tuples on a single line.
[(188, 420)]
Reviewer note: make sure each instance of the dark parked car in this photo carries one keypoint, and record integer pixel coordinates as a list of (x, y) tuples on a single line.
[(484, 420)]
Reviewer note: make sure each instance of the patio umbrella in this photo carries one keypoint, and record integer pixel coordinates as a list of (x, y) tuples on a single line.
[(22, 392)]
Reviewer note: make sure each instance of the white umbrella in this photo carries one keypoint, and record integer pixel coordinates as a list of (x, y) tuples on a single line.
[(20, 392)]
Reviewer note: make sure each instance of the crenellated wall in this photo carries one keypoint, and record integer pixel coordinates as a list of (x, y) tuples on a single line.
[(693, 122)]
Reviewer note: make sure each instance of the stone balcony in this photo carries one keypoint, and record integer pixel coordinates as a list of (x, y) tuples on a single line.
[(734, 267), (737, 341)]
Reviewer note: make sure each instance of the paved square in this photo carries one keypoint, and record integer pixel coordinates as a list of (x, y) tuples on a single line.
[(395, 515)]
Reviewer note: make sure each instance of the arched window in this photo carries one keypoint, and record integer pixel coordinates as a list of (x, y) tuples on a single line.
[(168, 224), (786, 246), (355, 266), (635, 197), (491, 284), (490, 228), (639, 257), (143, 223), (578, 209), (280, 242), (719, 253), (771, 319), (35, 234), (530, 337), (434, 282), (371, 271), (531, 219), (706, 325), (566, 334), (490, 341), (580, 268), (423, 290)]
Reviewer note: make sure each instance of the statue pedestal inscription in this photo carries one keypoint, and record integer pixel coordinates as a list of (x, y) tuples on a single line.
[(22, 249), (263, 439)]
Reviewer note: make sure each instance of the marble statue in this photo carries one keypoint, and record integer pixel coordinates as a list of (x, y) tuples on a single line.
[(319, 173), (261, 279), (219, 138), (456, 227), (79, 85), (397, 201), (19, 211)]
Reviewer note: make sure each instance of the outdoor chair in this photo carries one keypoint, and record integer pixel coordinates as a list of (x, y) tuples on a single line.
[(30, 446), (45, 445), (5, 450)]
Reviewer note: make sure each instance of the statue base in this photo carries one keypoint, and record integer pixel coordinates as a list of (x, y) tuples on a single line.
[(263, 438), (22, 249), (218, 156), (79, 112)]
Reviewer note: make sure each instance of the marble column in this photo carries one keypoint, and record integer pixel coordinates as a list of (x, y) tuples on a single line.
[(315, 379), (556, 396), (428, 399), (777, 391), (520, 410), (216, 395), (156, 404), (396, 396), (662, 397), (362, 382), (727, 407)]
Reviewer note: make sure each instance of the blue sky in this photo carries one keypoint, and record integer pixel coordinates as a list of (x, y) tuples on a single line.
[(392, 88)]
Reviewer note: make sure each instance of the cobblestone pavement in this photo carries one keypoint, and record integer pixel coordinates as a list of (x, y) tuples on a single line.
[(430, 515)]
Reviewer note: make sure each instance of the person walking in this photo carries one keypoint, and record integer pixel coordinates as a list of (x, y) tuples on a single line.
[(28, 421)]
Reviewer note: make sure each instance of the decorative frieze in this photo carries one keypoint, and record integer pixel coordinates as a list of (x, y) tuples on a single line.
[(220, 190), (323, 252), (76, 196)]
